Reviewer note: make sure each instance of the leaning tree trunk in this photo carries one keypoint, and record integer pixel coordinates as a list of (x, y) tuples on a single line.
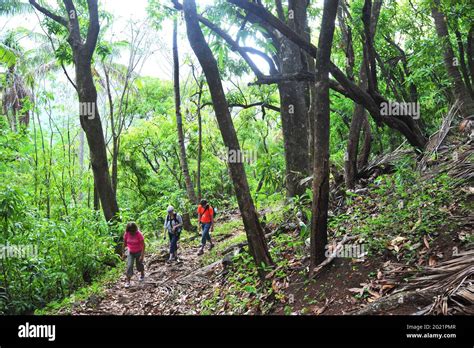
[(406, 125), (256, 238), (359, 116), (82, 52), (321, 137), (95, 137), (459, 88)]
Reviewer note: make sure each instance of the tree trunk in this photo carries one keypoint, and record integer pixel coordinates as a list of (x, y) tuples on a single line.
[(367, 144), (462, 61), (179, 118), (82, 52), (187, 225), (359, 116), (96, 203), (80, 155), (199, 154), (257, 244), (294, 101), (344, 85), (459, 88), (470, 52), (321, 137), (115, 153), (295, 133), (95, 137), (115, 137)]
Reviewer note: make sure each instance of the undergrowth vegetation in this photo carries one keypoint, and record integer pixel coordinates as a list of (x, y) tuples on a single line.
[(401, 206)]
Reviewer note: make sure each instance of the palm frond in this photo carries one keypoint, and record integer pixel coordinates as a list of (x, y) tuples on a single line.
[(8, 56), (14, 7)]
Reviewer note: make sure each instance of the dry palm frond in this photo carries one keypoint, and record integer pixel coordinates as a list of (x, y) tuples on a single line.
[(463, 167), (437, 138), (452, 281), (385, 160), (445, 289)]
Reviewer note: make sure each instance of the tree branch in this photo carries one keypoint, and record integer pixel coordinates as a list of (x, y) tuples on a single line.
[(48, 13), (262, 104), (74, 39), (271, 63), (94, 27)]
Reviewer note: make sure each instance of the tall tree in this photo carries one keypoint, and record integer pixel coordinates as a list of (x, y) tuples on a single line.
[(82, 52), (371, 99), (359, 115), (179, 118), (460, 90), (257, 244), (198, 103), (297, 115), (15, 92), (119, 113), (321, 136), (294, 98)]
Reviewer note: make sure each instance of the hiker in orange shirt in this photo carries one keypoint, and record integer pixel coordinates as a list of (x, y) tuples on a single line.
[(206, 220)]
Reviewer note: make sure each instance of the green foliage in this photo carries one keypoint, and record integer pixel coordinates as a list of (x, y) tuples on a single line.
[(96, 289), (47, 194), (402, 204), (69, 254)]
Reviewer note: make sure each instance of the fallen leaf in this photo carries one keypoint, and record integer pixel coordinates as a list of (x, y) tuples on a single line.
[(318, 310), (359, 291), (374, 294), (427, 245), (397, 240)]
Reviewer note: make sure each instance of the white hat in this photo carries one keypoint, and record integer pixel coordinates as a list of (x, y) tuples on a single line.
[(170, 209)]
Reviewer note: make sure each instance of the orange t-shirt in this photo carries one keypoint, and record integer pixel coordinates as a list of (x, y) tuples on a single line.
[(207, 214)]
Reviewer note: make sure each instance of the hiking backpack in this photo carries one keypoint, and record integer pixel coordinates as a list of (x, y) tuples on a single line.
[(175, 219)]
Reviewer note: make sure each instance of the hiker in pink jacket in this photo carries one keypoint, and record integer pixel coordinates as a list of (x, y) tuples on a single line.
[(134, 248)]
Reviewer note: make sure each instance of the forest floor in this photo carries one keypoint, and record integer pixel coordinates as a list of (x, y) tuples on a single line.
[(405, 222), (168, 288), (187, 287)]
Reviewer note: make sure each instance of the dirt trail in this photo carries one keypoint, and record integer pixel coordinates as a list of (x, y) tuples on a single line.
[(168, 288)]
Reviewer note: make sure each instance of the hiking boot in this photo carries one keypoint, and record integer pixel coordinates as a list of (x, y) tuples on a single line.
[(142, 278), (211, 246), (127, 285), (201, 251)]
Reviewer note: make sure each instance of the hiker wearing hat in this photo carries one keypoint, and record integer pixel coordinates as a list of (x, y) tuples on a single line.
[(173, 225)]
